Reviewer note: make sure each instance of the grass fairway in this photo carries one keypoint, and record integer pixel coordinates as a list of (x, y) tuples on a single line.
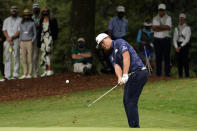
[(88, 129), (163, 106)]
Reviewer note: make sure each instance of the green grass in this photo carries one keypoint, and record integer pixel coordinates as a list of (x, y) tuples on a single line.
[(165, 105)]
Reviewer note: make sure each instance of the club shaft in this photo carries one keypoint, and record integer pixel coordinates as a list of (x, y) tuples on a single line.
[(108, 91), (103, 95)]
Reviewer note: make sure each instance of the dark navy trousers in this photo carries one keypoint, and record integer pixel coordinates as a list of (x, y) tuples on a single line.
[(132, 91), (162, 52)]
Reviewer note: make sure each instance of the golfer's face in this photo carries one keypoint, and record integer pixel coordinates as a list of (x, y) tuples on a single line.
[(106, 44), (181, 21), (162, 12)]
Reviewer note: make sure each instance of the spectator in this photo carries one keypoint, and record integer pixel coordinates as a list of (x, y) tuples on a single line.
[(11, 29), (118, 25), (2, 39), (36, 18), (181, 39), (162, 25), (145, 40), (27, 38), (82, 58), (47, 36)]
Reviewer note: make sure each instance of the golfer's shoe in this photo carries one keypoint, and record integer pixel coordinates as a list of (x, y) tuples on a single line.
[(2, 80), (23, 77), (29, 76), (7, 78), (35, 76), (50, 73), (44, 74), (14, 78)]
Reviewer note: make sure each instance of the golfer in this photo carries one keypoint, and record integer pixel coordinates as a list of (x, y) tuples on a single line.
[(125, 60)]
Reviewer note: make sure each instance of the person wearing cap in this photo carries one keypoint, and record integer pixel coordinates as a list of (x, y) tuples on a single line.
[(118, 25), (27, 39), (181, 40), (145, 40), (162, 24), (125, 61), (47, 36), (2, 39), (82, 57), (36, 18), (11, 30)]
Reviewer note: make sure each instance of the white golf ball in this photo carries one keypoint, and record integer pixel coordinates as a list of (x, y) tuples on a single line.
[(67, 81)]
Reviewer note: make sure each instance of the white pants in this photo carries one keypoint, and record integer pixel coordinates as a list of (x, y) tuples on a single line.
[(35, 59), (8, 59), (78, 67)]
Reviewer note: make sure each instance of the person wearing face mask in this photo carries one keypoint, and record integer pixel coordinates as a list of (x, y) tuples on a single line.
[(181, 40), (27, 39), (2, 39), (118, 25), (82, 57), (162, 24), (36, 18), (11, 30), (47, 35), (145, 40)]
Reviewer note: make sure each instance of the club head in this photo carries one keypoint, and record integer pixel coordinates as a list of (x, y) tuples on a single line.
[(89, 105)]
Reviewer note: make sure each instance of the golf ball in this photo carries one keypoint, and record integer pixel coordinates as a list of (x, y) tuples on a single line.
[(67, 81)]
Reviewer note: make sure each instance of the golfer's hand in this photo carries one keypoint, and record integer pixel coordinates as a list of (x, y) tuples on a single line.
[(124, 79), (178, 49), (120, 81), (10, 41)]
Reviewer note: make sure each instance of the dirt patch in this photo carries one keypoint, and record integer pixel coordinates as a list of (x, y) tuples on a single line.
[(55, 85)]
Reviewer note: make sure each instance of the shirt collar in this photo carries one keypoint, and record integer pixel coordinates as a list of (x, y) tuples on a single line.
[(113, 44)]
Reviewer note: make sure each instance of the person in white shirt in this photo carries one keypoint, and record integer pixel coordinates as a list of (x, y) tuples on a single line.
[(181, 41), (162, 24), (11, 30)]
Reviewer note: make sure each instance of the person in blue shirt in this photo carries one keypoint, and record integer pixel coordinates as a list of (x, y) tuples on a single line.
[(125, 61), (118, 25), (145, 40)]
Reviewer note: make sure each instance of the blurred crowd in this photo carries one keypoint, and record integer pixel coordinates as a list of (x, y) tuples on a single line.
[(35, 33), (154, 41), (26, 38)]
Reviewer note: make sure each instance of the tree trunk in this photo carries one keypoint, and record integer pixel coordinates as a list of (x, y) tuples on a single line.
[(83, 21)]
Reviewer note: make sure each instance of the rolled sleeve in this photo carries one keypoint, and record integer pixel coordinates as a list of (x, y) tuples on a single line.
[(169, 22), (175, 38), (112, 60), (5, 25), (188, 35), (123, 48), (155, 22)]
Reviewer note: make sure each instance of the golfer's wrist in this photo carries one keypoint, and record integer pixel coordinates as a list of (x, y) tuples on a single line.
[(125, 75)]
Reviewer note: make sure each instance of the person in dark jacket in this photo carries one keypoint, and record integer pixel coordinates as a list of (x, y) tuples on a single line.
[(2, 39), (47, 36)]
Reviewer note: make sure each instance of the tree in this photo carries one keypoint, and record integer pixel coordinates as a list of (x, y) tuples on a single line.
[(83, 21)]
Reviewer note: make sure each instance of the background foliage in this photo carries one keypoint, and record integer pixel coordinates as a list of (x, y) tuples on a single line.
[(136, 12)]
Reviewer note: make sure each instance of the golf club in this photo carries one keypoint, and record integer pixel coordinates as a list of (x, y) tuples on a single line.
[(147, 62), (107, 92)]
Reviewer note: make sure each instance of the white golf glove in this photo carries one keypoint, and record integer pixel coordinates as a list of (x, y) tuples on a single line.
[(124, 78)]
